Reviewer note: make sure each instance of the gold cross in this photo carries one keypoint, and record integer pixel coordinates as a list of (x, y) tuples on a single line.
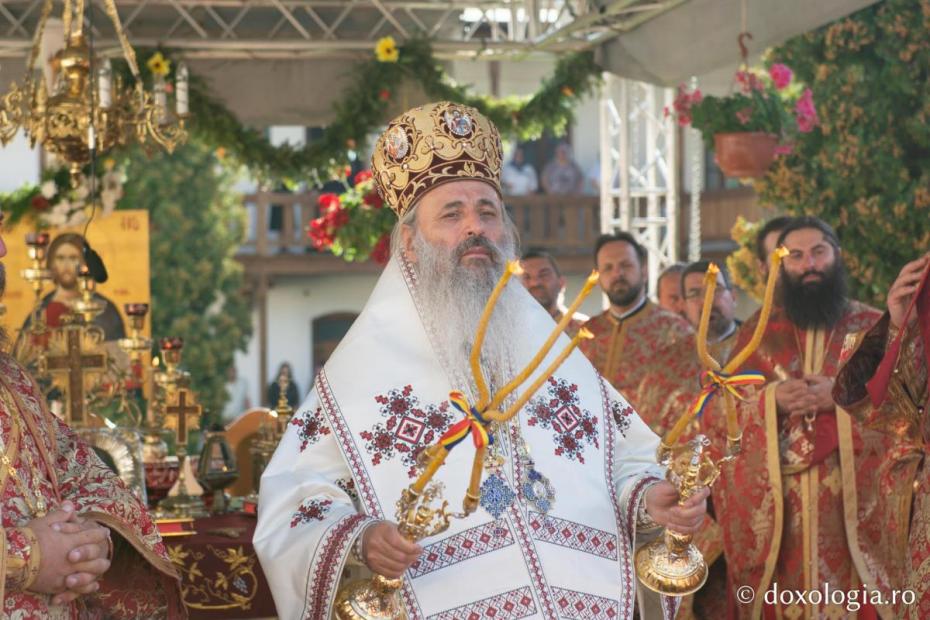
[(183, 415), (76, 364)]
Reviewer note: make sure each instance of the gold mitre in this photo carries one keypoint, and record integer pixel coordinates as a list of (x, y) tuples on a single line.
[(434, 144)]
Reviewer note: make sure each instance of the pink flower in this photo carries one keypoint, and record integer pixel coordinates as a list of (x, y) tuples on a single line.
[(806, 124), (784, 149), (744, 115), (806, 112), (780, 74), (748, 81), (682, 104)]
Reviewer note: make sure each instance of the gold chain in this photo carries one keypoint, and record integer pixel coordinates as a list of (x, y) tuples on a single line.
[(37, 508)]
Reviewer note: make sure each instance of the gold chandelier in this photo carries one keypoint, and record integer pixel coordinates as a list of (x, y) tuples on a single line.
[(89, 110)]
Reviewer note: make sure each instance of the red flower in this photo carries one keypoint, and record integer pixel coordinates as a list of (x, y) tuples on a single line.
[(384, 94), (39, 202), (382, 250), (327, 202), (362, 176), (744, 115), (683, 103), (780, 74), (320, 234), (373, 200), (784, 149)]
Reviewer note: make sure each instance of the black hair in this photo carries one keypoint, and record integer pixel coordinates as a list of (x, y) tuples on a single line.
[(620, 236)]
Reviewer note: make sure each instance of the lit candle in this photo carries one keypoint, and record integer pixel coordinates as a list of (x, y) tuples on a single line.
[(583, 334), (104, 89), (161, 99), (182, 86), (547, 346), (513, 268)]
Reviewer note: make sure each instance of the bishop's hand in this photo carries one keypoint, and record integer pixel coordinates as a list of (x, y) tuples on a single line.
[(386, 552), (662, 505)]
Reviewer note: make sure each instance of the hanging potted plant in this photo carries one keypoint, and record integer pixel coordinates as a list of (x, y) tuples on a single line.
[(749, 127)]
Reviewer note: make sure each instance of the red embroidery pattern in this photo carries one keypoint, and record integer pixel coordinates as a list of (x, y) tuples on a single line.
[(310, 427), (624, 539), (573, 535), (463, 546), (369, 499), (348, 486), (311, 510), (532, 562), (574, 427), (581, 606), (507, 606), (324, 572), (407, 429), (621, 412)]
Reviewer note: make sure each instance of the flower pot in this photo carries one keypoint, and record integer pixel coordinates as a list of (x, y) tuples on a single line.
[(745, 154)]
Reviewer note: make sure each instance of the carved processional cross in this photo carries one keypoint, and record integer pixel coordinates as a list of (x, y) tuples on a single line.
[(78, 357), (182, 415)]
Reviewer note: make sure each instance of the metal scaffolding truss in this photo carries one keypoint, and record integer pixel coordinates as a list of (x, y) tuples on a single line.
[(335, 28), (639, 171)]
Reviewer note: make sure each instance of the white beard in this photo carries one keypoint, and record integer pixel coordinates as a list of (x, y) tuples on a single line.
[(452, 297)]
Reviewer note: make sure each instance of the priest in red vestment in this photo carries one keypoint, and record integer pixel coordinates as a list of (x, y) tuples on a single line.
[(630, 332), (883, 384), (805, 505), (75, 542)]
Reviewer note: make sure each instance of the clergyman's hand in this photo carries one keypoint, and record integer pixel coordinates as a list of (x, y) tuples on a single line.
[(899, 295), (821, 390), (89, 562), (662, 505), (55, 545), (793, 396), (386, 552)]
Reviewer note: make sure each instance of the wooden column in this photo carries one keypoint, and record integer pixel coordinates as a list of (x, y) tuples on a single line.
[(261, 300)]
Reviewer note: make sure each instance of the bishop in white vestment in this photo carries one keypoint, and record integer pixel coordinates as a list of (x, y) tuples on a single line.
[(570, 484)]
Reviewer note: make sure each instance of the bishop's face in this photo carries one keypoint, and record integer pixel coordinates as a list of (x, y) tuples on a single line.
[(455, 217)]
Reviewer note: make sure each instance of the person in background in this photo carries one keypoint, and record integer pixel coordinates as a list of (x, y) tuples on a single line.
[(518, 177), (274, 390), (545, 282), (562, 174), (668, 289)]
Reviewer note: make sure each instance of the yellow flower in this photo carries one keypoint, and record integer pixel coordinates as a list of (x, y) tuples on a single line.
[(386, 50), (158, 64), (109, 163)]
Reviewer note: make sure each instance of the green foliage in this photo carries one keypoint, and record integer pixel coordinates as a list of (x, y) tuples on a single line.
[(197, 224), (866, 170), (363, 108)]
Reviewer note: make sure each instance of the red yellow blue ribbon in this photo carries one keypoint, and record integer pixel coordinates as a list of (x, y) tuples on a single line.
[(713, 382), (474, 424)]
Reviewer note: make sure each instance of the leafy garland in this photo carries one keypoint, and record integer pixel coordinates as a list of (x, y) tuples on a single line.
[(365, 103)]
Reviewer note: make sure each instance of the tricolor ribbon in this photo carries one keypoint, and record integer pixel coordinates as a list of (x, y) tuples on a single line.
[(713, 382), (474, 424)]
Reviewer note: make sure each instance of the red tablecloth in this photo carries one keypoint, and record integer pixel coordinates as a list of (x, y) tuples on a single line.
[(220, 573)]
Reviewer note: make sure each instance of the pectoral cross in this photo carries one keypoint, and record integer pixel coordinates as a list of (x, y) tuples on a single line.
[(76, 363), (183, 415)]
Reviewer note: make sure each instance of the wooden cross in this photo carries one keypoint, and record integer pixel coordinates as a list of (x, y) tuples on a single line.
[(183, 415), (76, 363)]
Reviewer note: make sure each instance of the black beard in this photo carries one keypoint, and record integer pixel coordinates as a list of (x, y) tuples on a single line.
[(625, 299), (814, 305)]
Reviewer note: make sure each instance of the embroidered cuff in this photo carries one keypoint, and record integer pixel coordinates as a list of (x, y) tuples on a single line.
[(357, 554), (644, 521), (22, 558)]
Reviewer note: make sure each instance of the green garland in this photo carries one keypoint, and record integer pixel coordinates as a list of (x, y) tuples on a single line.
[(363, 108)]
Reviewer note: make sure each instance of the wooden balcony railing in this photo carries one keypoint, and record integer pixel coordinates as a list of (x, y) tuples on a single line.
[(565, 226)]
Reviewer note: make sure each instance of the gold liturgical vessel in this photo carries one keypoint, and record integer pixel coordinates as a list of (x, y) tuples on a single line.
[(417, 514), (671, 565)]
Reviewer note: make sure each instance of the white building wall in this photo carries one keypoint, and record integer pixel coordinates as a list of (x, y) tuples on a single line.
[(293, 304), (19, 164)]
